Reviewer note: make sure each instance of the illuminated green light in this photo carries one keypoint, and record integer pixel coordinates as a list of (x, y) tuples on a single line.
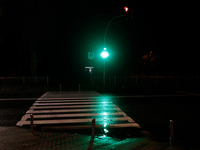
[(104, 49), (104, 54)]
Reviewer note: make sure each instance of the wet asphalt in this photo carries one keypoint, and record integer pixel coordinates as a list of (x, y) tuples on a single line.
[(151, 113)]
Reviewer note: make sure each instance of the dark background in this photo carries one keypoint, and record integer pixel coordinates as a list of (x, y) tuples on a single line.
[(53, 38)]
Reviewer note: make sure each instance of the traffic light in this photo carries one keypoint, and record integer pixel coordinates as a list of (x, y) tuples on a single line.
[(129, 11), (126, 9), (104, 54)]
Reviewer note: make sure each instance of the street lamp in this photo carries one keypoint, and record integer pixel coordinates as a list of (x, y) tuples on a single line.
[(104, 54)]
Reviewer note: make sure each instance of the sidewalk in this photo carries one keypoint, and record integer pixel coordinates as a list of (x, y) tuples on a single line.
[(17, 138)]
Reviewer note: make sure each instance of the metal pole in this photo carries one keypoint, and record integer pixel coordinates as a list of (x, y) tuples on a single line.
[(91, 71), (108, 26), (104, 73), (31, 123), (171, 132), (93, 127), (92, 137)]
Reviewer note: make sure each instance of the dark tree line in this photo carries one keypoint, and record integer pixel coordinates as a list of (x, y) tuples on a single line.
[(24, 28), (43, 37)]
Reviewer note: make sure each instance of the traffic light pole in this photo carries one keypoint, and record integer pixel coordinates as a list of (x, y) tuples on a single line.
[(108, 26), (104, 73), (104, 68)]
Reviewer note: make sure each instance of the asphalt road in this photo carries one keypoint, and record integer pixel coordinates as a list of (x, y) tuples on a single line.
[(151, 109), (12, 108)]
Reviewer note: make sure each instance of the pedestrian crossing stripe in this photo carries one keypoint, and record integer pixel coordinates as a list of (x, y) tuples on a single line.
[(60, 121), (36, 103), (53, 101), (73, 106), (119, 125), (75, 115), (61, 110), (66, 110)]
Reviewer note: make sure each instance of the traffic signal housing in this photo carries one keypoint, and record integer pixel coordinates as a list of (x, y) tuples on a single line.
[(126, 9), (129, 11)]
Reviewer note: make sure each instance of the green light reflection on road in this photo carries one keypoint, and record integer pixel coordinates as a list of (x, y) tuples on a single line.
[(105, 113), (105, 123), (105, 103)]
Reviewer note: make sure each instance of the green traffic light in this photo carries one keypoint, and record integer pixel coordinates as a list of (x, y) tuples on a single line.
[(104, 54)]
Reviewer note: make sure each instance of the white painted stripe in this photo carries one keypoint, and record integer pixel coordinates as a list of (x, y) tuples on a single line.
[(62, 98), (124, 114), (101, 97), (70, 103), (67, 110), (20, 123), (36, 122), (68, 98), (53, 101), (73, 115), (24, 118), (73, 92), (124, 125), (74, 106), (75, 99), (120, 125)]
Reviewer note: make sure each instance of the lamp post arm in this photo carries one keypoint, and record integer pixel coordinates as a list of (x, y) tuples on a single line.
[(108, 26)]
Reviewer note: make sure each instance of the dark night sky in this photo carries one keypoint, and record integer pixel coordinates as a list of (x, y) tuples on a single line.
[(62, 33)]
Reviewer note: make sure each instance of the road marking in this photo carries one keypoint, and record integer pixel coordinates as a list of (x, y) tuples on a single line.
[(75, 115), (61, 110), (119, 125), (61, 121), (89, 98), (53, 101), (67, 110), (73, 106), (69, 98), (36, 103)]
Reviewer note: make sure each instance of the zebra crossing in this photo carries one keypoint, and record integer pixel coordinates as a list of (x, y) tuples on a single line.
[(76, 110)]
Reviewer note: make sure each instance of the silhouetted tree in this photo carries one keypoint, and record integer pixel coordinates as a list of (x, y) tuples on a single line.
[(148, 62)]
